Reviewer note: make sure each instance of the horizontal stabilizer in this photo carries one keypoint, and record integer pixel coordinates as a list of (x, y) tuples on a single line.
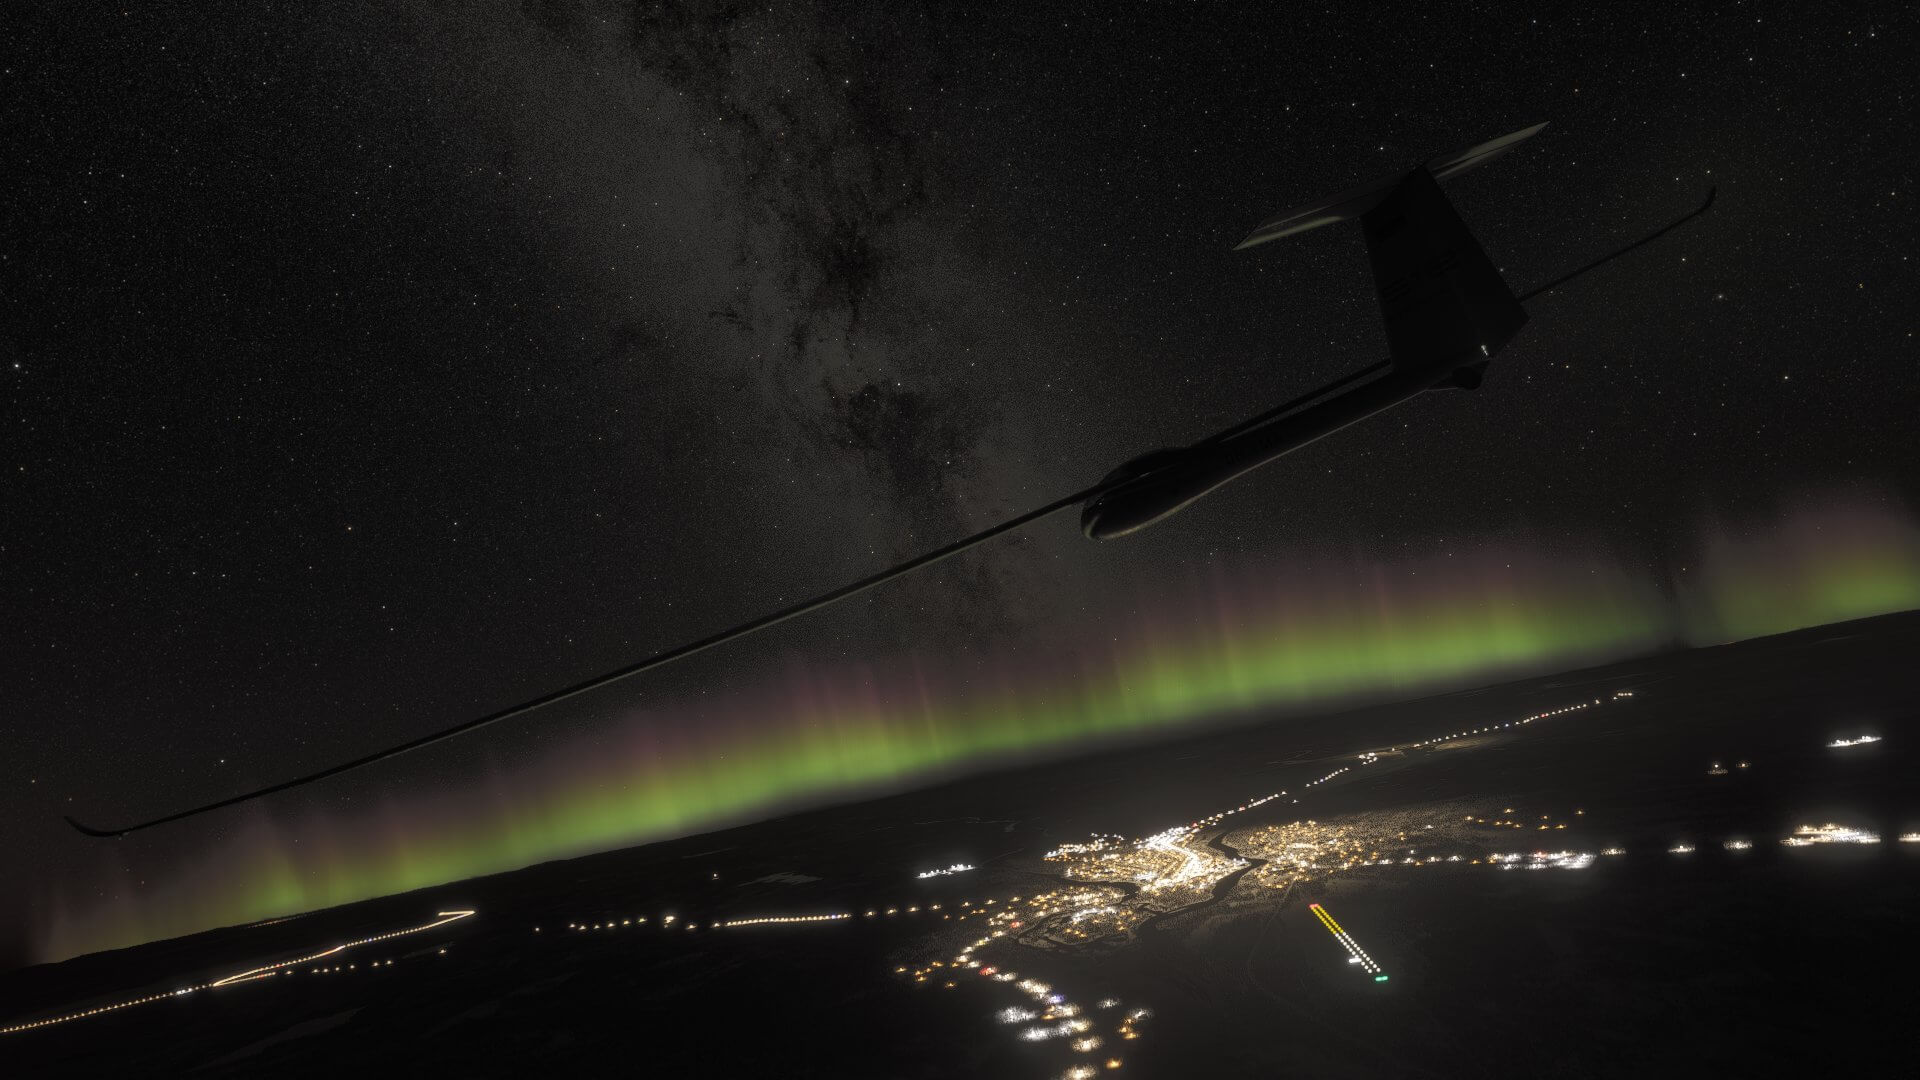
[(1355, 202), (1452, 165)]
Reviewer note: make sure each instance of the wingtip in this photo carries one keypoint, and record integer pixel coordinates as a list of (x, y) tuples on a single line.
[(1711, 192), (89, 830)]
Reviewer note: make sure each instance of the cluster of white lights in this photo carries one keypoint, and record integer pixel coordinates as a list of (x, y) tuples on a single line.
[(1808, 835), (1737, 845), (264, 972), (1910, 837), (1543, 860), (1356, 955), (1858, 740), (956, 868), (1410, 859), (1680, 849)]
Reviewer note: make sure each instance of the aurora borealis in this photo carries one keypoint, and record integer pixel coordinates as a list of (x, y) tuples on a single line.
[(1843, 558), (1246, 642)]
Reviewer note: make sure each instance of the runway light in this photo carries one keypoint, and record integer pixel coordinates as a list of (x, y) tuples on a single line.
[(251, 975), (1346, 941)]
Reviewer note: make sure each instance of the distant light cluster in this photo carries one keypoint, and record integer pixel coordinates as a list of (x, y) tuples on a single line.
[(1543, 860), (1857, 740), (1808, 835), (956, 868)]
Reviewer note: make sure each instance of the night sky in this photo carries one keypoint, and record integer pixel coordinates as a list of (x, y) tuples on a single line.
[(369, 367)]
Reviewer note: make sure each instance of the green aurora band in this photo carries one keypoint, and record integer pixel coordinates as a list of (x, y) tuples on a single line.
[(1261, 648)]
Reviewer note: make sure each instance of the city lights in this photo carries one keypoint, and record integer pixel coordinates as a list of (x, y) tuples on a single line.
[(1808, 835), (956, 868), (1544, 860)]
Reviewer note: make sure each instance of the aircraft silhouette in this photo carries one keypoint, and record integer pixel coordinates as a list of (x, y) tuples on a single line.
[(1447, 313)]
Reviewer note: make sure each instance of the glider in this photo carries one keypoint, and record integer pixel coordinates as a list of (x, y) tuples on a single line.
[(1448, 313)]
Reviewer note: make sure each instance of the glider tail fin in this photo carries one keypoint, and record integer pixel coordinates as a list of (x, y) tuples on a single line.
[(1441, 297), (1444, 302)]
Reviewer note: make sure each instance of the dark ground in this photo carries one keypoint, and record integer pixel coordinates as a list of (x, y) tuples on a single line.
[(1767, 961)]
